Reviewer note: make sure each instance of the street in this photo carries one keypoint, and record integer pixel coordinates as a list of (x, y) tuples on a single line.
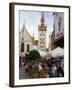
[(23, 74)]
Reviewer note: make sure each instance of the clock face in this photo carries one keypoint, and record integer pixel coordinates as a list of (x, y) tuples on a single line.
[(42, 39), (41, 33), (42, 42)]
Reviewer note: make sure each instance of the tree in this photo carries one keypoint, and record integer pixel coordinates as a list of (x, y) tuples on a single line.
[(34, 55)]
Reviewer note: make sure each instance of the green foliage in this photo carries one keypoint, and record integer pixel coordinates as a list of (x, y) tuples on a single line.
[(34, 55)]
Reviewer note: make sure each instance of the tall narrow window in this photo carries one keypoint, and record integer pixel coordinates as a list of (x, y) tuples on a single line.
[(28, 47), (22, 47), (59, 23)]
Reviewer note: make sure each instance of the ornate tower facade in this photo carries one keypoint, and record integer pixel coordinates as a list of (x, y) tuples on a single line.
[(42, 33)]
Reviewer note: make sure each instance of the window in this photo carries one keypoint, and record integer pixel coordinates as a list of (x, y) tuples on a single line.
[(22, 39), (43, 38), (43, 42), (40, 42), (40, 39), (22, 47), (43, 34), (59, 23), (28, 47)]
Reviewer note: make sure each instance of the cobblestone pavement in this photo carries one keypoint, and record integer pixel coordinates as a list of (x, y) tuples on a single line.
[(23, 74)]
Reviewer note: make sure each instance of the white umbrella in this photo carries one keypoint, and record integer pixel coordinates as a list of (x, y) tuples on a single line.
[(34, 47), (57, 52), (42, 53)]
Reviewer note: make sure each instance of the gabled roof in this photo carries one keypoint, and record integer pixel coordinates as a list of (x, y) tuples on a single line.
[(24, 29)]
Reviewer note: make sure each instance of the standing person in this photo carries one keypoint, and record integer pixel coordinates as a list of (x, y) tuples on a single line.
[(57, 70), (40, 67), (54, 69), (62, 64), (35, 66), (20, 63), (46, 71), (60, 72), (26, 67), (50, 71)]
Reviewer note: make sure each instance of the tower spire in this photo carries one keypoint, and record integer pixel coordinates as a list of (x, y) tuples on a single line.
[(23, 29), (42, 18), (24, 23)]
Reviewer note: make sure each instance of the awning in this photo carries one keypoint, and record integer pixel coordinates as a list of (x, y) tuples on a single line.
[(57, 52)]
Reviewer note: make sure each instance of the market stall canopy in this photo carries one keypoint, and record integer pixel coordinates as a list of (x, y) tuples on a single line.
[(42, 53), (57, 52), (35, 47)]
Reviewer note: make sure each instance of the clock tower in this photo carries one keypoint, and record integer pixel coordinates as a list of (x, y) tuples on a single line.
[(42, 33)]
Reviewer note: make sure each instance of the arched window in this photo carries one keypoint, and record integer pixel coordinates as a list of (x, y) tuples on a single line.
[(28, 47), (22, 47)]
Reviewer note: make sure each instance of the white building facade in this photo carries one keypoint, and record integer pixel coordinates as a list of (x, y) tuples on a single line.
[(25, 42)]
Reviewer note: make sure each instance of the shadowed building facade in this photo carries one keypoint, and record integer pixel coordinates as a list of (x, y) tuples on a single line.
[(57, 37)]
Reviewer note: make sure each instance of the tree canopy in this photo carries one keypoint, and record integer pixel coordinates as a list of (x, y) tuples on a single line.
[(34, 55)]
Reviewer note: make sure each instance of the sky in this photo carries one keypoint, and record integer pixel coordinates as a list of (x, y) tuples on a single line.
[(31, 19)]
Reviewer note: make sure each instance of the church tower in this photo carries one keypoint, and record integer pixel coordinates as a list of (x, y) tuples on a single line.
[(42, 33)]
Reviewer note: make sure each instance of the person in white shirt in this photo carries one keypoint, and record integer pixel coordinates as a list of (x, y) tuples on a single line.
[(40, 67), (54, 68)]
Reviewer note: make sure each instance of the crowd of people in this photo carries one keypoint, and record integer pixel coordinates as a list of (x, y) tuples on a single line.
[(45, 68)]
